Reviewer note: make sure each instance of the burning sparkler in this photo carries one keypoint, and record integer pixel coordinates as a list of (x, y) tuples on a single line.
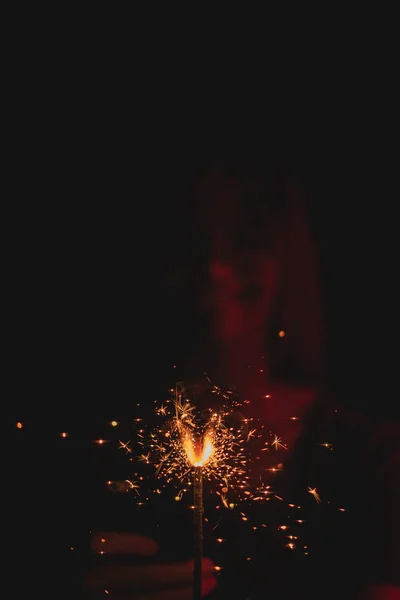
[(198, 436), (198, 461), (191, 445), (211, 439)]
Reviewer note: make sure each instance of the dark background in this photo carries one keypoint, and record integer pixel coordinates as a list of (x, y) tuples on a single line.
[(99, 208), (97, 176), (104, 133)]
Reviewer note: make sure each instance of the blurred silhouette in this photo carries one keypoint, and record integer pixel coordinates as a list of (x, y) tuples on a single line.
[(263, 292)]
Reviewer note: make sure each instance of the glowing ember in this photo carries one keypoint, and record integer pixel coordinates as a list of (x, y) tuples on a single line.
[(197, 453), (189, 438)]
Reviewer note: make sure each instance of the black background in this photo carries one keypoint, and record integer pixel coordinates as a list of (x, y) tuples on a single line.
[(100, 161), (98, 174)]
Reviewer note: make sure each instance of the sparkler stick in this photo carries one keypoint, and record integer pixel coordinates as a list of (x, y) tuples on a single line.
[(190, 447), (198, 531), (198, 452)]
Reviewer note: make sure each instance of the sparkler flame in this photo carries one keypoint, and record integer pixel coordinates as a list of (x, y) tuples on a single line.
[(198, 453), (188, 438)]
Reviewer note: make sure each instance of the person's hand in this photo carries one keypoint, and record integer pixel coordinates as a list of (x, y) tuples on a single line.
[(141, 582)]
